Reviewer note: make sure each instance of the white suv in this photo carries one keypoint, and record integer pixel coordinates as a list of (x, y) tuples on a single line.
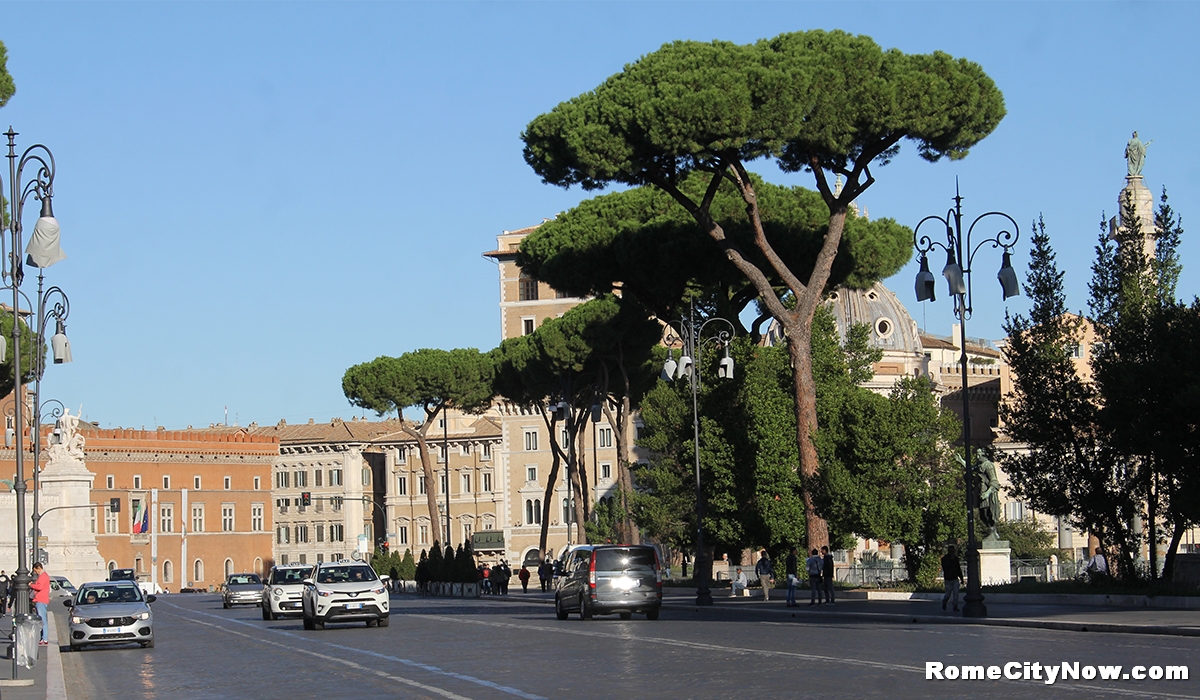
[(344, 591), (284, 589)]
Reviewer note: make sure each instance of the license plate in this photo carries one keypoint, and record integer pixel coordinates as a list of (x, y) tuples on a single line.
[(111, 630), (354, 606)]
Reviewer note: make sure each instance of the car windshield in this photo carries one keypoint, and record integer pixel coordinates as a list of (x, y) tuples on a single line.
[(91, 595), (243, 579), (287, 576), (346, 574), (630, 560)]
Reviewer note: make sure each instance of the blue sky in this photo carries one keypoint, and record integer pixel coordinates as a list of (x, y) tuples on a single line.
[(255, 196)]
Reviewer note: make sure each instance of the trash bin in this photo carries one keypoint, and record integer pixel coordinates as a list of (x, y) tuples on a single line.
[(28, 632)]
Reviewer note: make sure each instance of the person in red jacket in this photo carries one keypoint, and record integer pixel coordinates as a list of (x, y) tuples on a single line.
[(39, 589), (524, 577)]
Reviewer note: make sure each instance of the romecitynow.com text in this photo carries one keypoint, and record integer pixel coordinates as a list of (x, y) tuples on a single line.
[(1051, 674)]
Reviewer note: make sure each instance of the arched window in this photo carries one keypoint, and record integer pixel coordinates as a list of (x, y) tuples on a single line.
[(258, 566), (112, 565), (167, 571), (197, 571), (228, 568)]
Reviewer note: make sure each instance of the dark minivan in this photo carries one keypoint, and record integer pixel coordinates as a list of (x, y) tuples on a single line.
[(610, 578)]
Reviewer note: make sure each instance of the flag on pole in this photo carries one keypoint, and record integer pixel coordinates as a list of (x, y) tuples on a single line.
[(141, 519)]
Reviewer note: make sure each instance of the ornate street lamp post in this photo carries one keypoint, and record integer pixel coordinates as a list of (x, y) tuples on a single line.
[(958, 277), (42, 251), (689, 334)]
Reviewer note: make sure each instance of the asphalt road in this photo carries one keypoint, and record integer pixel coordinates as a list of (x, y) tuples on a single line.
[(439, 648)]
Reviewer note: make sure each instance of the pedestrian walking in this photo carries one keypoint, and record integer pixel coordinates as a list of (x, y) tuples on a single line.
[(827, 574), (39, 587), (952, 573), (545, 574), (505, 576), (524, 576), (792, 578), (765, 571), (813, 566)]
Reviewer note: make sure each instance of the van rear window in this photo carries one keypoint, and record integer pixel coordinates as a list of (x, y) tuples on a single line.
[(637, 560)]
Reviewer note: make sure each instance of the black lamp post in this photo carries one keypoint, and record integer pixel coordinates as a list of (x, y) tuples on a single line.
[(958, 277), (691, 337), (42, 251)]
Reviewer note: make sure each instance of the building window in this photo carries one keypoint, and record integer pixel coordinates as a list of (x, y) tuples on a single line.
[(335, 477), (301, 535), (166, 482), (135, 511), (402, 455), (337, 532), (283, 560), (402, 486), (441, 454), (366, 477), (336, 502), (369, 532), (442, 479), (282, 480), (228, 483), (110, 522), (421, 487), (466, 483), (423, 531), (303, 559), (402, 534), (257, 483), (560, 294), (487, 450), (228, 568), (301, 479), (530, 473), (320, 557), (196, 487), (317, 473), (166, 519), (527, 289), (1015, 510), (93, 518), (108, 482), (283, 534), (606, 471), (533, 511), (137, 481), (487, 482), (531, 440), (197, 517), (604, 437), (168, 571), (320, 532), (227, 517), (256, 517), (527, 326), (466, 533), (198, 569), (464, 448)]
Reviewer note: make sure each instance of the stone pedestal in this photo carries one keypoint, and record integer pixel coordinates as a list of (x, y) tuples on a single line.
[(1142, 198), (71, 544), (994, 568)]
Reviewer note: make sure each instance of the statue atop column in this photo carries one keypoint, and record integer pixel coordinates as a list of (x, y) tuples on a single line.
[(1135, 155), (70, 445), (988, 510)]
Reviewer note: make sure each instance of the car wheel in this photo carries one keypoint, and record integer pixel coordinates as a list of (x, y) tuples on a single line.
[(585, 613), (320, 624), (266, 611), (76, 647), (372, 623), (559, 611), (651, 614), (148, 645), (308, 623), (225, 604), (383, 621), (626, 616)]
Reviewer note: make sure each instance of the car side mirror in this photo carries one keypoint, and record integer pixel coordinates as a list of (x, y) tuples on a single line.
[(151, 598), (308, 582), (69, 603)]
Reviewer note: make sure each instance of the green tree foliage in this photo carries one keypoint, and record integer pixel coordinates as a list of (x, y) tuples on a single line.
[(429, 379), (1027, 538), (7, 86), (827, 102), (641, 241), (28, 358), (436, 564), (407, 569)]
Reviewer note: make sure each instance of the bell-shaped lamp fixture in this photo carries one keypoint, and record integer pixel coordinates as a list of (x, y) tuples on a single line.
[(1008, 277), (60, 345), (3, 349), (596, 413), (954, 275), (669, 367), (685, 367), (725, 366), (925, 281), (43, 249)]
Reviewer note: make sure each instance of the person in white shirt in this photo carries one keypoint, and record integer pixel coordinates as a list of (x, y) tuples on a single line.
[(739, 583)]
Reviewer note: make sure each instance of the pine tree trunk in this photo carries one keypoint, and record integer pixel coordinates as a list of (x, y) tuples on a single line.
[(800, 350), (430, 485)]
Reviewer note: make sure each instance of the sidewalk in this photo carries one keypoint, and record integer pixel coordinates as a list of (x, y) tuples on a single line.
[(1034, 614), (47, 676)]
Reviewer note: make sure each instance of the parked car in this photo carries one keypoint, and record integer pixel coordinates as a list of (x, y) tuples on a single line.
[(284, 590), (605, 579), (241, 589), (122, 575), (60, 587), (110, 612), (345, 591)]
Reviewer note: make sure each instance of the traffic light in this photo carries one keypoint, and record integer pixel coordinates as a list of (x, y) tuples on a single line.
[(306, 499), (114, 505)]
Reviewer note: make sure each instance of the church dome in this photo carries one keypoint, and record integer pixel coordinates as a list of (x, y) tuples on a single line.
[(892, 329)]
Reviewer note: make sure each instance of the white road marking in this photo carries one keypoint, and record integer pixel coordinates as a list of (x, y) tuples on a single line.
[(407, 662)]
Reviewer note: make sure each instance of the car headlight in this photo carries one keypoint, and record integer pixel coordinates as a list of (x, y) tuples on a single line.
[(379, 590), (76, 620), (277, 592), (324, 594), (143, 616)]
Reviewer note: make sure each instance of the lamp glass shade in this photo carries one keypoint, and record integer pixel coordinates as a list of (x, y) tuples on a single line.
[(925, 282), (685, 367), (43, 249), (61, 347), (3, 349), (725, 368), (1008, 278), (954, 276), (668, 371)]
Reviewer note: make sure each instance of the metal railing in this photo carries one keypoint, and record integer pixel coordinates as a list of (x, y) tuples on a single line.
[(878, 576)]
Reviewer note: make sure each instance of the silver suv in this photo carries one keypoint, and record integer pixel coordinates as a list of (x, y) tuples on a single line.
[(344, 591), (285, 588), (605, 579)]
